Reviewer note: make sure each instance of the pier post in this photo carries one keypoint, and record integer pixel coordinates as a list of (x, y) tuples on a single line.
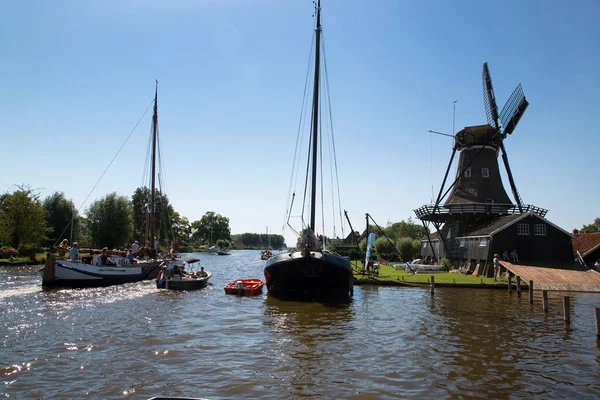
[(567, 309), (530, 292), (432, 284), (509, 283), (545, 300), (518, 285), (597, 322)]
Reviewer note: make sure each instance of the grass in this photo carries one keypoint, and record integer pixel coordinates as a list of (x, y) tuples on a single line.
[(390, 274)]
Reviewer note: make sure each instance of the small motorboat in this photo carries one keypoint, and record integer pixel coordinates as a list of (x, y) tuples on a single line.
[(245, 287), (223, 253), (177, 282)]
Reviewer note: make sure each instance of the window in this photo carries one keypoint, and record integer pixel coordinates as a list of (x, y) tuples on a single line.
[(483, 242), (485, 172), (424, 245), (462, 242), (523, 229), (449, 234), (467, 173), (488, 205), (539, 229)]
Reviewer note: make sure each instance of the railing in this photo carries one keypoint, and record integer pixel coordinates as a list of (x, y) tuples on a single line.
[(429, 211)]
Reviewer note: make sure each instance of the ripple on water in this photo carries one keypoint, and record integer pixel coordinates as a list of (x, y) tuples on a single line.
[(135, 341)]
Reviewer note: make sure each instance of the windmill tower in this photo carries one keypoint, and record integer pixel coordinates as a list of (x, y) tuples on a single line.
[(477, 193)]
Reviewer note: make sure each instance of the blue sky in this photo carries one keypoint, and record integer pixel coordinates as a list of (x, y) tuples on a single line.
[(75, 77)]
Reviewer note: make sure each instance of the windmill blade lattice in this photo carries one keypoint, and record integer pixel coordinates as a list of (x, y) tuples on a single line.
[(513, 110), (489, 99)]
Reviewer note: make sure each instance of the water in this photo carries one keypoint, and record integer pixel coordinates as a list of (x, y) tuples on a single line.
[(134, 341)]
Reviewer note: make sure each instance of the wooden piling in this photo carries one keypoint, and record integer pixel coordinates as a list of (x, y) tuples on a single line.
[(545, 300), (530, 292), (597, 322), (432, 284), (519, 286), (567, 309), (509, 283)]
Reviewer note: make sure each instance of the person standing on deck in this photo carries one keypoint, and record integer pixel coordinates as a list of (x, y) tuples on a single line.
[(74, 252), (496, 266), (135, 247)]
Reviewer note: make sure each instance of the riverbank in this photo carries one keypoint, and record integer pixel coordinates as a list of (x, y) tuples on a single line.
[(389, 276)]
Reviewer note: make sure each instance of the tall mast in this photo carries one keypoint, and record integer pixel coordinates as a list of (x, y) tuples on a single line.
[(154, 128), (315, 112)]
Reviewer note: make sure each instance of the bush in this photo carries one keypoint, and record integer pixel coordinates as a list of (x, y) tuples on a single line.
[(446, 263), (8, 252)]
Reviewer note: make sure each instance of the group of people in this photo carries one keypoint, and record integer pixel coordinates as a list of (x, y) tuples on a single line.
[(513, 256), (180, 270), (73, 251)]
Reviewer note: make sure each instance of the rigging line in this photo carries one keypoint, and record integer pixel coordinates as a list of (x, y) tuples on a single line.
[(321, 173), (308, 171), (146, 170), (115, 156), (389, 240), (295, 167), (431, 163), (337, 178)]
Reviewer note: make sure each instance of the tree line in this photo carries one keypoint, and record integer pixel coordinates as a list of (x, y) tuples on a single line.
[(29, 222)]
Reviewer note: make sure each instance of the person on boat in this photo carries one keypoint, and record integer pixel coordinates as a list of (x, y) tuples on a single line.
[(74, 252), (202, 273), (496, 266), (135, 247), (505, 256), (104, 258), (172, 253), (63, 247), (129, 257), (597, 265)]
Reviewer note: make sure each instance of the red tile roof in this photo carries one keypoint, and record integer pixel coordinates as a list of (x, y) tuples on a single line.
[(585, 242)]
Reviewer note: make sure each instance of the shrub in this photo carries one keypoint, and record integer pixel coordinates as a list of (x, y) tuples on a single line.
[(8, 252)]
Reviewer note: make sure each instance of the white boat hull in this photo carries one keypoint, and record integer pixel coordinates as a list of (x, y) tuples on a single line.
[(78, 274)]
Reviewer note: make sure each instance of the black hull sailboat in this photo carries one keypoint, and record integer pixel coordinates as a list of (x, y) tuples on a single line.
[(310, 273)]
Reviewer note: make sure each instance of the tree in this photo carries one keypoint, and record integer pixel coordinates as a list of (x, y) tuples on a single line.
[(59, 214), (163, 215), (593, 227), (383, 247), (110, 221), (408, 248), (211, 227), (407, 228), (22, 218)]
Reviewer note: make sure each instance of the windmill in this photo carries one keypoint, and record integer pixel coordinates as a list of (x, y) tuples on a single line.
[(477, 194)]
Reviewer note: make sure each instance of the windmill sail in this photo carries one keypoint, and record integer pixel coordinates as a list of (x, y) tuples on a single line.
[(513, 110), (491, 109)]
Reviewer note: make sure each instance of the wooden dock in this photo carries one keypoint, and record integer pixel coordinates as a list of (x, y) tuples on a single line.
[(567, 278)]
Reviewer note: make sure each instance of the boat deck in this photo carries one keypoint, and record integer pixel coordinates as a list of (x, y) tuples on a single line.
[(561, 278)]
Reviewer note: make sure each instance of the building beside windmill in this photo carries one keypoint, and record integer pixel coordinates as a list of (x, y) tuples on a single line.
[(478, 219)]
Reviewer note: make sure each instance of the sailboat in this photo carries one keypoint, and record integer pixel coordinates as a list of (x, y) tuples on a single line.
[(310, 272), (90, 272)]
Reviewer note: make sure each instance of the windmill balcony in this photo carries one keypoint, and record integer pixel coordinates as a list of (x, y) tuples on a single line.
[(452, 211)]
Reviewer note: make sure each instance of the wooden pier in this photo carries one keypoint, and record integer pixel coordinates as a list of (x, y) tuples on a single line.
[(568, 278)]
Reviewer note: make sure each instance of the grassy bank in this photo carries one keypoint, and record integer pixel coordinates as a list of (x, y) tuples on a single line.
[(390, 275)]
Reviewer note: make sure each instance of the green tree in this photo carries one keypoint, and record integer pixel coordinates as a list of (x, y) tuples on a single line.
[(211, 227), (408, 248), (22, 218), (593, 227), (383, 247), (110, 221), (406, 229), (59, 214), (163, 215)]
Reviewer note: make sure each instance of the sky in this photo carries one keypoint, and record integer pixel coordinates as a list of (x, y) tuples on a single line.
[(76, 76)]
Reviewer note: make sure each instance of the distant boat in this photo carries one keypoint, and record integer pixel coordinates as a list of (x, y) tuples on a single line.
[(90, 271), (266, 254), (211, 249), (310, 272), (223, 253), (245, 287)]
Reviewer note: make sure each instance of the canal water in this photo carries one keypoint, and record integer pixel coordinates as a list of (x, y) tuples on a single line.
[(134, 341)]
